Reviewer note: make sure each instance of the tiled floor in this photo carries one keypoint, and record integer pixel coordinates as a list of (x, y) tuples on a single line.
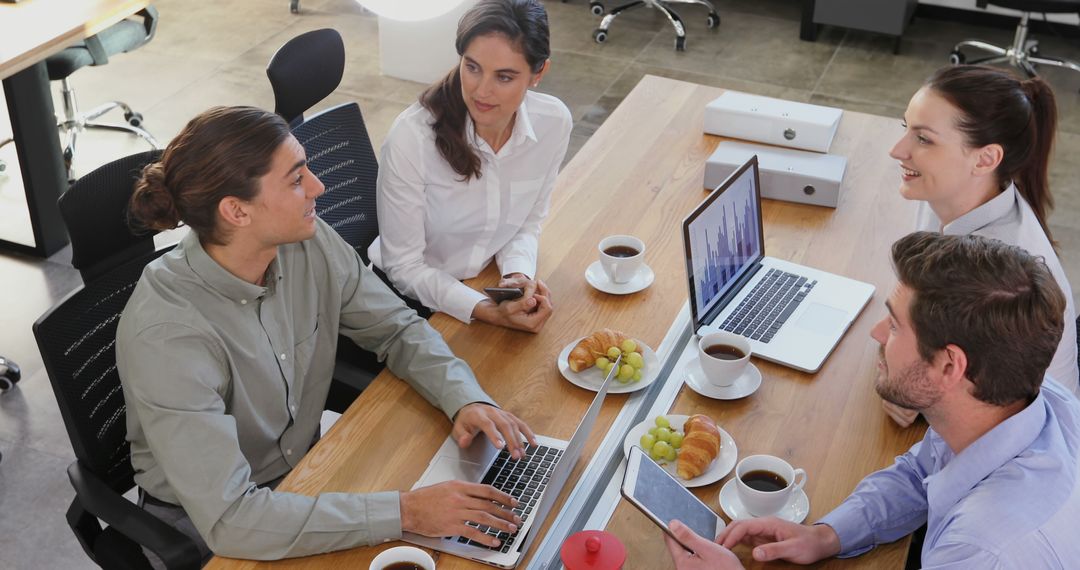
[(213, 53)]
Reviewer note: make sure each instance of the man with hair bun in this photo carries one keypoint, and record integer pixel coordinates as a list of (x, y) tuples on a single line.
[(226, 349), (971, 328)]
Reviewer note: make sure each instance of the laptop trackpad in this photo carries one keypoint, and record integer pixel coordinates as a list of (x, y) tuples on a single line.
[(453, 469), (822, 319)]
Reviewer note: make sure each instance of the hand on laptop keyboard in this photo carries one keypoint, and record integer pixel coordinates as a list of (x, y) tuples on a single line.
[(444, 510), (498, 425)]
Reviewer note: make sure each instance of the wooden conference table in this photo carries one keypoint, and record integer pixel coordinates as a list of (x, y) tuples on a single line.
[(640, 174), (30, 32)]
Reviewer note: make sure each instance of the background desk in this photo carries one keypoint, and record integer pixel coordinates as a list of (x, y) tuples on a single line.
[(30, 32), (641, 173)]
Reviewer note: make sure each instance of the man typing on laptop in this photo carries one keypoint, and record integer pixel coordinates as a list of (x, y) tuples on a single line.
[(226, 349)]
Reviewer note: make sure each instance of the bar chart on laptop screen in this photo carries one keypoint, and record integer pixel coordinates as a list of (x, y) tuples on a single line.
[(724, 238)]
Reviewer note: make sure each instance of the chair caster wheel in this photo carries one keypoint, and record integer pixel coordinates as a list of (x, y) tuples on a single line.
[(596, 8), (713, 21), (133, 119), (957, 58), (9, 374), (680, 44), (600, 36), (294, 6), (3, 166)]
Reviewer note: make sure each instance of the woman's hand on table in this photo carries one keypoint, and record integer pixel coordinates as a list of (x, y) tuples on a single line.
[(502, 428), (904, 417), (443, 510), (777, 539), (527, 313), (707, 555)]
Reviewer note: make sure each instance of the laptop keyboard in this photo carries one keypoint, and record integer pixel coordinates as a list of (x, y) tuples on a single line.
[(768, 305), (523, 479)]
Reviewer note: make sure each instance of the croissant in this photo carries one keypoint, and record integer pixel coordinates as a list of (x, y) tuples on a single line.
[(700, 446), (589, 348)]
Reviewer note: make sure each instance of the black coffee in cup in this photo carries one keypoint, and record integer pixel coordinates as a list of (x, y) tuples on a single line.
[(621, 251), (404, 566), (764, 480), (724, 352)]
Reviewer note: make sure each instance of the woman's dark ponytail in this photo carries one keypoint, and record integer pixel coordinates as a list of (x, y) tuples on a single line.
[(446, 105), (1033, 177)]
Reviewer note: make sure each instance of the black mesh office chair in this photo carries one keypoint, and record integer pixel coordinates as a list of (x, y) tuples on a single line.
[(304, 70), (95, 210), (600, 34), (77, 342), (122, 37), (1024, 52), (339, 152)]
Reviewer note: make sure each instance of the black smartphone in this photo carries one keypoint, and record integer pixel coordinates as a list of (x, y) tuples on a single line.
[(661, 498), (500, 294)]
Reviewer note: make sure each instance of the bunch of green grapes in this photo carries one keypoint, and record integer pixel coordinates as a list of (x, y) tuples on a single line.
[(633, 363), (662, 442)]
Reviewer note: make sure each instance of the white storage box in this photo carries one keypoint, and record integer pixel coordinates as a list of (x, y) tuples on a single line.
[(772, 121), (786, 174)]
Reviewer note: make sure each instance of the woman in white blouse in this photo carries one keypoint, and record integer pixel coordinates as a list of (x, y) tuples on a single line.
[(466, 173), (975, 153)]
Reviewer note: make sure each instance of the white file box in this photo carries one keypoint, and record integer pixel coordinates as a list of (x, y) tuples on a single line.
[(786, 174), (772, 121)]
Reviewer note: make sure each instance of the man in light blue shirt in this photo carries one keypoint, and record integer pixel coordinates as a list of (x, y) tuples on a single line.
[(972, 326)]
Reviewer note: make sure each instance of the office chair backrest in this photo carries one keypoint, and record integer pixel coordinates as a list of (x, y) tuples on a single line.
[(95, 212), (77, 340), (339, 152), (304, 71)]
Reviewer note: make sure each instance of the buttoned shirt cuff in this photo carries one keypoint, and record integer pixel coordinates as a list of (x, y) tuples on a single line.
[(856, 536), (384, 516), (518, 265), (461, 301)]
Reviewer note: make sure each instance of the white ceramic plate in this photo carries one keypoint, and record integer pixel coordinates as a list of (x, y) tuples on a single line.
[(593, 378), (721, 466)]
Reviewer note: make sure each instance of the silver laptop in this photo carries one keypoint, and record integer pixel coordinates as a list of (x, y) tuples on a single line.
[(792, 314), (535, 481)]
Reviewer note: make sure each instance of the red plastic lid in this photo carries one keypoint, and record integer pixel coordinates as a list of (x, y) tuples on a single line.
[(593, 550)]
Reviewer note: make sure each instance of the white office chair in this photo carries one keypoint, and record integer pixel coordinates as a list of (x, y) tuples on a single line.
[(601, 34)]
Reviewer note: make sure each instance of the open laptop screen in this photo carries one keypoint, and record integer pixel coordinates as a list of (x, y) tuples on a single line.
[(723, 238)]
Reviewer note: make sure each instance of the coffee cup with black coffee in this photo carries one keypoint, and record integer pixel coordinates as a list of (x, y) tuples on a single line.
[(621, 257), (403, 558), (765, 483), (724, 357)]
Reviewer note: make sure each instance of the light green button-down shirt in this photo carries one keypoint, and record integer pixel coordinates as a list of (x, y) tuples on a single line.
[(225, 383)]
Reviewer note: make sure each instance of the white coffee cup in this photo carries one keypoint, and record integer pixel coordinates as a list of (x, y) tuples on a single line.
[(621, 268), (761, 503), (722, 372), (402, 554)]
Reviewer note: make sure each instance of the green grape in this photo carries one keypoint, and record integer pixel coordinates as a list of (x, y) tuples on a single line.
[(602, 363), (636, 360), (676, 439), (626, 372), (628, 346), (637, 376), (660, 449), (607, 369), (613, 353), (671, 454), (652, 431), (662, 421), (647, 441), (663, 434)]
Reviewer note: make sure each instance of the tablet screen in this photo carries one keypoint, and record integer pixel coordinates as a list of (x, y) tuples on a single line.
[(668, 500)]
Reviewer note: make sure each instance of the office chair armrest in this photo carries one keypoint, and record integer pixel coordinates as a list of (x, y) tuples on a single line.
[(174, 548), (150, 19)]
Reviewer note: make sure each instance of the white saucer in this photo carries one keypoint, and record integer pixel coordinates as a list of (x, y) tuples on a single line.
[(795, 511), (598, 278), (721, 466), (743, 386)]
